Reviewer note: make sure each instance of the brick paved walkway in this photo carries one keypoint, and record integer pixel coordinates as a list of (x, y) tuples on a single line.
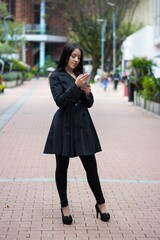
[(129, 168)]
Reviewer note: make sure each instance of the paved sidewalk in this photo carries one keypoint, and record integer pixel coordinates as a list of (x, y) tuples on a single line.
[(129, 169)]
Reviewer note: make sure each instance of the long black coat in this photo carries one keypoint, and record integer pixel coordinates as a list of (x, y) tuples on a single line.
[(72, 132)]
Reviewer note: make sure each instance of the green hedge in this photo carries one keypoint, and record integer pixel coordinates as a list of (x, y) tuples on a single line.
[(11, 76), (143, 79), (19, 66)]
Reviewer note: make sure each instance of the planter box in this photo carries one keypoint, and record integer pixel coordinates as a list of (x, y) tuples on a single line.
[(10, 84), (156, 108), (19, 82), (142, 102), (149, 105), (146, 104), (136, 98), (14, 83)]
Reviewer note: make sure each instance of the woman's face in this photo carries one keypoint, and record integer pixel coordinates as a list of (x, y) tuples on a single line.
[(74, 59)]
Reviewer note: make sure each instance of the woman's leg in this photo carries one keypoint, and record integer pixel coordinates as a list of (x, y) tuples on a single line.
[(90, 165), (62, 163)]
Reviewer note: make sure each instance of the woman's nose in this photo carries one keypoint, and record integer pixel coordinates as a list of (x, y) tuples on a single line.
[(76, 59)]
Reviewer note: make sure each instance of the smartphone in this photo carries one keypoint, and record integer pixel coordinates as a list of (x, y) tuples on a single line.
[(88, 78)]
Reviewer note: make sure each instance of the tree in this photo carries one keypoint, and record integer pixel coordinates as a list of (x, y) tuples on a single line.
[(83, 15), (9, 30)]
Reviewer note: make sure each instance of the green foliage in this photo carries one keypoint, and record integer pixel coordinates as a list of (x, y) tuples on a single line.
[(2, 85), (86, 29), (140, 68), (28, 75), (49, 63), (11, 76), (6, 49), (3, 9), (148, 91), (143, 79), (14, 31), (34, 71), (157, 90), (124, 30), (19, 66)]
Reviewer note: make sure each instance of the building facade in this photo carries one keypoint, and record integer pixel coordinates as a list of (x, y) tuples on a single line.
[(146, 41), (157, 22), (41, 38), (144, 13)]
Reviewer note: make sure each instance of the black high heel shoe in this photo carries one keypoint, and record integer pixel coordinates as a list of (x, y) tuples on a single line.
[(104, 216), (66, 219)]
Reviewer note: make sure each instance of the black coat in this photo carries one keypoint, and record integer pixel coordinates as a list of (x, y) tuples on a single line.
[(72, 132)]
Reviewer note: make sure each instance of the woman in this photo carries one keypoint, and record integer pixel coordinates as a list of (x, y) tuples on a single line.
[(72, 132)]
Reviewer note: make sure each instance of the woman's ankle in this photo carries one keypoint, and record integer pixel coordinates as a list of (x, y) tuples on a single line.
[(66, 211), (102, 207)]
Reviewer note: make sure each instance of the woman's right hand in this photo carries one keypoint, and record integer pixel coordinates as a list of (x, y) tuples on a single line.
[(81, 79)]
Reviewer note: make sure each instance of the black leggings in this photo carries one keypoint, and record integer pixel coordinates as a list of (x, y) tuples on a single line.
[(90, 165)]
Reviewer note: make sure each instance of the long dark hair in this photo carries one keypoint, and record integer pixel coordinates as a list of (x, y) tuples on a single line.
[(67, 51)]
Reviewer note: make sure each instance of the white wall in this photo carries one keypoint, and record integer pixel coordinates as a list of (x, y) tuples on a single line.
[(141, 44)]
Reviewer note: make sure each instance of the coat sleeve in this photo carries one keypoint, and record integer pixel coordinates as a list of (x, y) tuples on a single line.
[(61, 96), (88, 100)]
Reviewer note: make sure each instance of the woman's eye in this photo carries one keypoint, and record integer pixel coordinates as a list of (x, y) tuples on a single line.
[(74, 56)]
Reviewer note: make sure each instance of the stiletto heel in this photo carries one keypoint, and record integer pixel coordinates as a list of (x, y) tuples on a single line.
[(104, 216), (97, 213), (66, 219)]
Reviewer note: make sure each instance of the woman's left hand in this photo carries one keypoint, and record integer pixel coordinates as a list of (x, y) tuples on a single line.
[(86, 88)]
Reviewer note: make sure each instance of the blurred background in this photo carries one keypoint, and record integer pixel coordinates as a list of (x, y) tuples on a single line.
[(122, 35)]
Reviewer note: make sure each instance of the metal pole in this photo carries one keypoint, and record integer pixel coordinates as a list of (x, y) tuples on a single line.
[(113, 5), (42, 54), (23, 44), (15, 38), (102, 43), (114, 40), (6, 26), (6, 29), (42, 17)]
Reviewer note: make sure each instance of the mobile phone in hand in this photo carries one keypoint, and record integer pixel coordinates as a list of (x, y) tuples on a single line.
[(88, 78)]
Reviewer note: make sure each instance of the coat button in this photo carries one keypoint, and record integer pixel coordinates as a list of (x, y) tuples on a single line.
[(75, 104)]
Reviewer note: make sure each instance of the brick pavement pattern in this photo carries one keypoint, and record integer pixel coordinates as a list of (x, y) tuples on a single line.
[(129, 169)]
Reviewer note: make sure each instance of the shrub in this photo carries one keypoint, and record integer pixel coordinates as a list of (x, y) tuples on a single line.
[(11, 76), (148, 91), (19, 66), (28, 75), (49, 63), (157, 90), (8, 77), (141, 68)]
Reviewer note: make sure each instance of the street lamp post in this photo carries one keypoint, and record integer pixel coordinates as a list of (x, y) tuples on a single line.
[(6, 26), (15, 37), (114, 33), (21, 38), (23, 44), (102, 41)]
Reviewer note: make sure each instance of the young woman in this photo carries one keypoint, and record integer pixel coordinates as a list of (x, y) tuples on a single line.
[(72, 132)]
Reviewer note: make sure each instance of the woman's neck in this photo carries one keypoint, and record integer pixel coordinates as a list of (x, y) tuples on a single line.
[(70, 71)]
